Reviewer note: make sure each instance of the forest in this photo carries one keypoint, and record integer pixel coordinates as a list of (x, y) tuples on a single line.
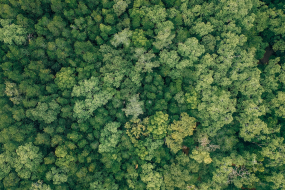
[(142, 94)]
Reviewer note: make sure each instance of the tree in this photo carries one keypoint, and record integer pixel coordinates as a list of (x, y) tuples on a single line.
[(136, 128), (151, 178), (134, 107), (214, 114), (164, 36), (158, 124), (7, 11), (202, 29), (277, 179), (56, 25), (11, 33), (40, 186), (57, 175), (65, 78), (95, 97), (27, 161), (109, 137), (120, 7), (46, 112), (5, 165), (145, 61), (156, 13), (31, 6), (191, 49), (13, 92), (122, 38), (178, 130), (176, 176), (139, 39), (102, 181)]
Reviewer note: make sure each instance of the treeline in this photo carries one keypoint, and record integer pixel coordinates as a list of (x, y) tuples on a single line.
[(142, 94)]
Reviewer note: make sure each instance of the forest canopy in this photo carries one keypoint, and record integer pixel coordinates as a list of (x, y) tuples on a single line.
[(142, 94)]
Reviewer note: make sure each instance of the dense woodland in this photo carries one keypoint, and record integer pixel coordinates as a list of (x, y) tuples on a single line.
[(142, 94)]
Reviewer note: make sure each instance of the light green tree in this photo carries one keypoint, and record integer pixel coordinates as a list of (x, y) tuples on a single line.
[(120, 7), (278, 179), (122, 38), (57, 175), (134, 107), (65, 78), (95, 97), (40, 186), (178, 130), (11, 33), (151, 177), (158, 125), (191, 49), (110, 136), (46, 112), (28, 160), (145, 60), (164, 36)]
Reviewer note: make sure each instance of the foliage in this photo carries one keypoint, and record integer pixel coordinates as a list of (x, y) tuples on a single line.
[(158, 124), (143, 94), (94, 97), (11, 33), (134, 107), (109, 137), (27, 161), (178, 131)]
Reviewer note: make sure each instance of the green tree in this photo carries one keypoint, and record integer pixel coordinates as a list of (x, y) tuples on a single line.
[(34, 6), (277, 179), (27, 161), (46, 112), (164, 35), (65, 78), (11, 33), (139, 39), (191, 49), (56, 25), (95, 97), (120, 7), (214, 114), (178, 130), (149, 176), (122, 38), (158, 125), (109, 138), (145, 61), (40, 186), (134, 107), (57, 175)]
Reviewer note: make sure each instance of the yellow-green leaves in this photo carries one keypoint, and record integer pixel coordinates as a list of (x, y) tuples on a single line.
[(191, 48), (57, 175), (65, 78), (46, 112), (150, 177), (11, 33), (158, 125), (178, 131), (139, 39), (28, 160), (109, 138), (201, 156), (136, 128), (278, 104)]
